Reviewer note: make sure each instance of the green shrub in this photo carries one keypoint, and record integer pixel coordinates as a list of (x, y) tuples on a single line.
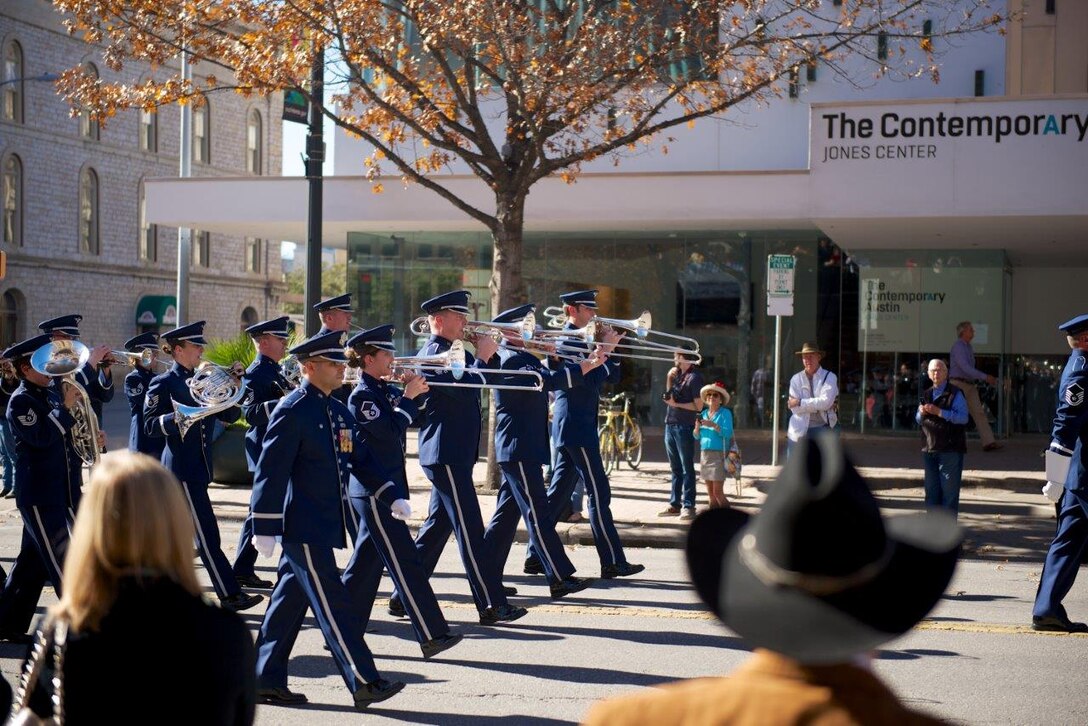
[(225, 351)]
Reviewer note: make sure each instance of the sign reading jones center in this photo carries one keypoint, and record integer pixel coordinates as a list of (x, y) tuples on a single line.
[(856, 133)]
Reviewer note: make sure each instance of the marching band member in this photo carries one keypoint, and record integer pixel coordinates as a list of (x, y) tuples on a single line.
[(136, 384), (190, 457), (95, 377), (297, 499), (449, 440), (383, 413), (335, 314), (265, 386), (48, 476), (521, 449), (579, 449)]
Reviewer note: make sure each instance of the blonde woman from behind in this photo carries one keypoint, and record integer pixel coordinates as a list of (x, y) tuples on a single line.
[(140, 638)]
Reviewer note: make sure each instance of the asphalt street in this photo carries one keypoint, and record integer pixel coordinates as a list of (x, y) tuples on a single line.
[(972, 661)]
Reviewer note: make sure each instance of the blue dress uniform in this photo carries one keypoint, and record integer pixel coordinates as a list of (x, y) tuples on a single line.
[(297, 496), (190, 459), (449, 441), (136, 384), (521, 449), (97, 383), (265, 386), (383, 416), (1069, 438), (339, 302), (47, 490), (578, 451)]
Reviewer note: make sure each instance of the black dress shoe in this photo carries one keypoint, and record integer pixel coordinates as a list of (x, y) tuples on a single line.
[(572, 584), (507, 590), (16, 638), (254, 581), (621, 570), (379, 690), (434, 646), (1054, 624), (501, 614), (533, 567), (240, 602), (396, 607), (282, 696)]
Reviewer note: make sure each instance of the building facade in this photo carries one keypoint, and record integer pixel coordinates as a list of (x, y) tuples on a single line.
[(909, 207), (75, 228)]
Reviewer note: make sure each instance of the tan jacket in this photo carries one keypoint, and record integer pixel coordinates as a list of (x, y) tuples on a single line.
[(767, 689)]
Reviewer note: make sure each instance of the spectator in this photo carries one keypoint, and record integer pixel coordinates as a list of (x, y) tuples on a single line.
[(814, 583), (964, 376), (137, 627), (942, 414), (8, 383), (813, 395), (714, 429), (761, 391), (684, 404)]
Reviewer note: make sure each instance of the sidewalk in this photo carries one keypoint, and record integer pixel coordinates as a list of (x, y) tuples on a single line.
[(1005, 516)]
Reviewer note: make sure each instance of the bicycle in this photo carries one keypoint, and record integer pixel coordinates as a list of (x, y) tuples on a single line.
[(619, 435)]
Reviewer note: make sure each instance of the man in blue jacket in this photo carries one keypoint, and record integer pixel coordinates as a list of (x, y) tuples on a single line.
[(574, 427), (265, 386), (1067, 483), (298, 492), (189, 456), (48, 476), (136, 384)]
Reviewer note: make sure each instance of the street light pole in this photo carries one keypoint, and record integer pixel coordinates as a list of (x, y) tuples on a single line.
[(185, 170), (315, 158)]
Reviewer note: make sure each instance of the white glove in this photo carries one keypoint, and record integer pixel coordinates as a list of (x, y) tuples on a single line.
[(1052, 490), (264, 544), (402, 510)]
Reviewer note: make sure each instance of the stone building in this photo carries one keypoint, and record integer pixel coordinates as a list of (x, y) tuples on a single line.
[(72, 198)]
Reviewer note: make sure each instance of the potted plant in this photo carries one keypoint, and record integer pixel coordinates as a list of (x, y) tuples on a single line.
[(229, 445)]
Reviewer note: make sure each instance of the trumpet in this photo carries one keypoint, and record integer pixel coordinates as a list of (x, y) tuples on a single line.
[(641, 346), (146, 358), (453, 360), (61, 359), (481, 328), (214, 388)]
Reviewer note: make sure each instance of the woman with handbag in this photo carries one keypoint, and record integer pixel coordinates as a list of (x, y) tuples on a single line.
[(131, 639), (714, 429)]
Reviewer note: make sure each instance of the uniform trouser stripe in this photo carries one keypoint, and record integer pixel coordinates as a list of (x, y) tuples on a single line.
[(535, 523), (221, 588), (597, 503), (397, 574), (333, 625), (47, 543), (467, 544)]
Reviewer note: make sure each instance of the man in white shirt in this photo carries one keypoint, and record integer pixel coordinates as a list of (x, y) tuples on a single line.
[(813, 393)]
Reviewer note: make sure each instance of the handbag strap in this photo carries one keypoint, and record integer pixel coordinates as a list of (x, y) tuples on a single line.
[(55, 637)]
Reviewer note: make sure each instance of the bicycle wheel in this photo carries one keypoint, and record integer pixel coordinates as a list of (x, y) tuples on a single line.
[(609, 455), (631, 436)]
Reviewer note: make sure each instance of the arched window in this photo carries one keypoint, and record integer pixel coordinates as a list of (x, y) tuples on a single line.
[(89, 240), (9, 318), (88, 127), (147, 247), (11, 194), (202, 132), (14, 72), (254, 252), (249, 317), (254, 143)]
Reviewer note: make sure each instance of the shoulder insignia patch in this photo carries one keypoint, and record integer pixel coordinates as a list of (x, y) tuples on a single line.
[(1074, 394), (137, 389), (29, 419), (153, 401), (370, 411), (248, 400)]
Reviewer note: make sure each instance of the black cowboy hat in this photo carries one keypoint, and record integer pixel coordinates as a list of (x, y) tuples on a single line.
[(819, 575)]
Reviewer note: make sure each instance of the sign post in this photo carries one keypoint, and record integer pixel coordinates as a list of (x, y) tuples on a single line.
[(780, 278)]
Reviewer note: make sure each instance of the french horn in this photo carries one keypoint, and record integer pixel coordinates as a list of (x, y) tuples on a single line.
[(214, 388)]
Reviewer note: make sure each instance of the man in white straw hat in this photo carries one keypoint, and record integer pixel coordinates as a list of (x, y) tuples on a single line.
[(813, 393)]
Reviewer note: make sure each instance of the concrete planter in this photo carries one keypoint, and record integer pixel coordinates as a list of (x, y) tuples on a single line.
[(229, 458)]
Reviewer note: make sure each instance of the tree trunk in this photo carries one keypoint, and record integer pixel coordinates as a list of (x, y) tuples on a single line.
[(507, 290)]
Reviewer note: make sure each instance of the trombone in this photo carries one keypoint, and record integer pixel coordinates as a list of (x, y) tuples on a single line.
[(638, 347), (481, 328), (453, 360)]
